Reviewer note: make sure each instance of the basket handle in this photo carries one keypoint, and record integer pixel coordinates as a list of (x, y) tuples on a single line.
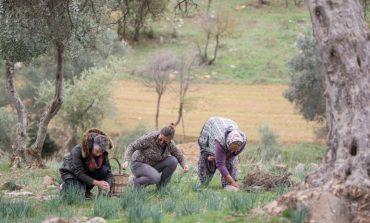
[(119, 164)]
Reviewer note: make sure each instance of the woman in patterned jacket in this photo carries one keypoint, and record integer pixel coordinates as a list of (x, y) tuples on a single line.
[(220, 142), (153, 158)]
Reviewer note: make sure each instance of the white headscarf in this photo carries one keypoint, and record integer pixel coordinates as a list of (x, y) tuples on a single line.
[(234, 136)]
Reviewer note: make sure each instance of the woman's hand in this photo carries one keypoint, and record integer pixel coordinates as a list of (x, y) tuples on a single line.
[(235, 184), (104, 185), (124, 165), (186, 168)]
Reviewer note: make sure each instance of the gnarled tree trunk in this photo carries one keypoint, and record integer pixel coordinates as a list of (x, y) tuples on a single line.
[(21, 130), (343, 37), (34, 152)]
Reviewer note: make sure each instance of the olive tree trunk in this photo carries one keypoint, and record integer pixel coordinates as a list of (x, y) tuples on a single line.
[(339, 191), (34, 152), (21, 130)]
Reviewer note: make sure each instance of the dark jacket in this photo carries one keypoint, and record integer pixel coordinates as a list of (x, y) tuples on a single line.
[(75, 164)]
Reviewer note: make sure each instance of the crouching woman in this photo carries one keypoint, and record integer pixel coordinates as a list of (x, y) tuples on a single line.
[(220, 142), (87, 165), (153, 158)]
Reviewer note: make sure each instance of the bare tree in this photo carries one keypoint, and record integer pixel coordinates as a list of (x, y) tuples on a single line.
[(215, 27), (343, 37), (185, 77), (185, 6), (158, 72)]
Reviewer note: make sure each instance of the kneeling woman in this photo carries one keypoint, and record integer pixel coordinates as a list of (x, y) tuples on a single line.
[(153, 158), (220, 142), (87, 165)]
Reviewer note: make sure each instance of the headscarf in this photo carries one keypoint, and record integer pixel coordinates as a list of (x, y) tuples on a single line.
[(234, 137)]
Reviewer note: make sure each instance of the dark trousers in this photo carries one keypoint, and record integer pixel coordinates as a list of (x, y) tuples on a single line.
[(100, 174), (159, 174)]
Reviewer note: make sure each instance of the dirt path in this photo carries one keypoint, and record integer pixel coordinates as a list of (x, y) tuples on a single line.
[(249, 105)]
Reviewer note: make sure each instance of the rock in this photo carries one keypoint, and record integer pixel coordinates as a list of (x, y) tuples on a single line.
[(326, 207), (19, 194), (274, 208), (97, 220), (54, 220), (231, 188), (48, 181)]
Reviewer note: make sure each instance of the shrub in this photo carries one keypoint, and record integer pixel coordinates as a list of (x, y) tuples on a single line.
[(188, 207), (241, 202), (132, 197), (156, 214), (15, 209), (213, 200), (105, 207), (269, 148), (137, 213), (73, 195), (169, 205), (306, 88)]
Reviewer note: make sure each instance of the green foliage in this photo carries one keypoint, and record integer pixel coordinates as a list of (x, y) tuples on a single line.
[(241, 202), (49, 147), (138, 14), (7, 129), (297, 215), (73, 195), (156, 214), (88, 99), (132, 197), (169, 205), (306, 87), (269, 148), (212, 199), (303, 153), (15, 209), (126, 137), (188, 206), (105, 207)]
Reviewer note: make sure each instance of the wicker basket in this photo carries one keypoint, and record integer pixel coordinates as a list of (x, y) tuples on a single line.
[(119, 181)]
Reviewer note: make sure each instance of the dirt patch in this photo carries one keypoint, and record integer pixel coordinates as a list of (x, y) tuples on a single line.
[(257, 180)]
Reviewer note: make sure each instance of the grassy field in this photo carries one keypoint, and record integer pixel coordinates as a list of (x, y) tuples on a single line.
[(182, 201), (257, 52), (249, 105)]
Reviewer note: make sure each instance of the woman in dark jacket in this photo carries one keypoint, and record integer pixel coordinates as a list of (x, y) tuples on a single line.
[(87, 165)]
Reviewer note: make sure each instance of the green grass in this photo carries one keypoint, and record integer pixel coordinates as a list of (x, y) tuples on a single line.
[(257, 52), (182, 201)]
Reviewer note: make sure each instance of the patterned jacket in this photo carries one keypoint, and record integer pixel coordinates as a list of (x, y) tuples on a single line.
[(217, 129), (146, 150)]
